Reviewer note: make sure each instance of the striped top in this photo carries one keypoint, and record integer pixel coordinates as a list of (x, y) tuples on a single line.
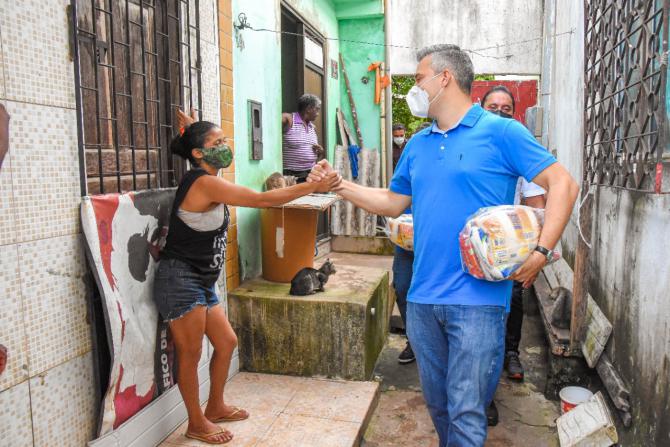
[(298, 141)]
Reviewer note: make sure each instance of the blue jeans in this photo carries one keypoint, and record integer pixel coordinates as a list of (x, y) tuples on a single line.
[(402, 278), (460, 351)]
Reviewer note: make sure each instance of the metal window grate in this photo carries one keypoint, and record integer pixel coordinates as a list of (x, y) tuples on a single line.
[(135, 62), (625, 76)]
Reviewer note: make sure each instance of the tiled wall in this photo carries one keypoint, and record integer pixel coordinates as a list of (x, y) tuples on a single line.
[(227, 124), (47, 393)]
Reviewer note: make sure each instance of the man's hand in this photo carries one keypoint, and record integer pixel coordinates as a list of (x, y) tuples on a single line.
[(529, 270), (331, 181), (183, 120), (318, 150)]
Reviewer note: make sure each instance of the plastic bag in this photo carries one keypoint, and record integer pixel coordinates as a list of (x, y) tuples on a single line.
[(497, 240), (400, 231)]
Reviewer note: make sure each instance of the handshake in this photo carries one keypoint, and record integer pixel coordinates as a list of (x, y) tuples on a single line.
[(326, 178)]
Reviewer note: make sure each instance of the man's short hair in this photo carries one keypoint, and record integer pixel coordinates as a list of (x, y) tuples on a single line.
[(498, 88), (450, 57), (398, 126), (306, 101)]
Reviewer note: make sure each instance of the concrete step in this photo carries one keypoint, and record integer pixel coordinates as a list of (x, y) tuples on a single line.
[(294, 411), (337, 333)]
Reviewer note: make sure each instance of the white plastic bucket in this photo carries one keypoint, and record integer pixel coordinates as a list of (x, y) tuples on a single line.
[(571, 396)]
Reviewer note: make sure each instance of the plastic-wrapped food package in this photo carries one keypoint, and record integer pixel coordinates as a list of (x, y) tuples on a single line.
[(497, 240), (401, 231)]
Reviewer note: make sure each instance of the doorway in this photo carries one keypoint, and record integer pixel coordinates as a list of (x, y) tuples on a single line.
[(303, 71)]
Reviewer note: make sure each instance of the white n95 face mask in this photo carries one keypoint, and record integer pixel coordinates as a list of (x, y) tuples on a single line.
[(398, 140), (418, 101)]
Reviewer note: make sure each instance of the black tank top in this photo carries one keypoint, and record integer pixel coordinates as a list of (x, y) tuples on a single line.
[(205, 251)]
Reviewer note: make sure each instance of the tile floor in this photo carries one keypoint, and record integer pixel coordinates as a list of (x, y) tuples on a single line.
[(293, 411)]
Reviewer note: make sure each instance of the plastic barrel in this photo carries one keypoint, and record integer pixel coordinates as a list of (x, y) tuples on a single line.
[(299, 241)]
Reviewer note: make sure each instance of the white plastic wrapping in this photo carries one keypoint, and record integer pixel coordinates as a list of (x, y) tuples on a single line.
[(496, 241), (400, 231)]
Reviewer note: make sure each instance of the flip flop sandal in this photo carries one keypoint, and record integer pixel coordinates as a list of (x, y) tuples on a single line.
[(236, 415), (210, 437)]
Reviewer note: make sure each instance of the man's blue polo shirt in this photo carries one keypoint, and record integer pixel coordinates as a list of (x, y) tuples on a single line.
[(450, 175)]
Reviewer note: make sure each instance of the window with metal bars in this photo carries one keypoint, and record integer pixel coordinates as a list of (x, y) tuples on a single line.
[(136, 62), (626, 76)]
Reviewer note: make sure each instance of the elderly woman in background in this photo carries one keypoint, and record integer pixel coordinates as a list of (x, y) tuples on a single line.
[(301, 146)]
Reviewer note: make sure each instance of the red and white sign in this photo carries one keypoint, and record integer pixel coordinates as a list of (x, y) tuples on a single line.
[(124, 235)]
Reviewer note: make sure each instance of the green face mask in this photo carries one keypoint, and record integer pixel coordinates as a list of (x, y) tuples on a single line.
[(218, 157)]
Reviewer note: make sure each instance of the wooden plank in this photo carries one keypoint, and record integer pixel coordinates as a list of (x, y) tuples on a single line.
[(615, 386), (363, 161), (319, 202), (558, 338), (563, 273), (369, 177), (351, 102), (597, 332), (374, 182), (550, 273), (597, 329), (350, 134), (340, 126), (581, 278), (344, 219), (338, 213)]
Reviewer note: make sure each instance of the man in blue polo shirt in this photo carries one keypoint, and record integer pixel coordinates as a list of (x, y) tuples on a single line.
[(466, 160)]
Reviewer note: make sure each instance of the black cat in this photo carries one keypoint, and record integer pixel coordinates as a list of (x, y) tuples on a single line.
[(308, 281)]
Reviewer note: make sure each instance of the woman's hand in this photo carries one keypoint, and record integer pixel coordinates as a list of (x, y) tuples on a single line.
[(319, 171), (183, 120), (318, 150)]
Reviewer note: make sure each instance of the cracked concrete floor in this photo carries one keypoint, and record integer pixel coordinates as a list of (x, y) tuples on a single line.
[(526, 417)]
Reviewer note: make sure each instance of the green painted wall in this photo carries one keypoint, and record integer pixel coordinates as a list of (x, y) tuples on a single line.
[(257, 76), (357, 58)]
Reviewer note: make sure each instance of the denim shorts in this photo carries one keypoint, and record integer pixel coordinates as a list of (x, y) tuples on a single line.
[(178, 288)]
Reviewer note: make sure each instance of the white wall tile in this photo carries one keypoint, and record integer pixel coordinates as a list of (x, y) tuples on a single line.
[(45, 171), (208, 21), (12, 331), (35, 35), (15, 421), (64, 404), (211, 85), (7, 210), (54, 301)]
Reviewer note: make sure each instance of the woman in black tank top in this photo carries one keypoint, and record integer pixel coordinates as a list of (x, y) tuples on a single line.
[(184, 285)]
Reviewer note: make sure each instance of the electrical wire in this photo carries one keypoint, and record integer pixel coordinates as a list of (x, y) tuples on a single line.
[(579, 215), (243, 24)]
